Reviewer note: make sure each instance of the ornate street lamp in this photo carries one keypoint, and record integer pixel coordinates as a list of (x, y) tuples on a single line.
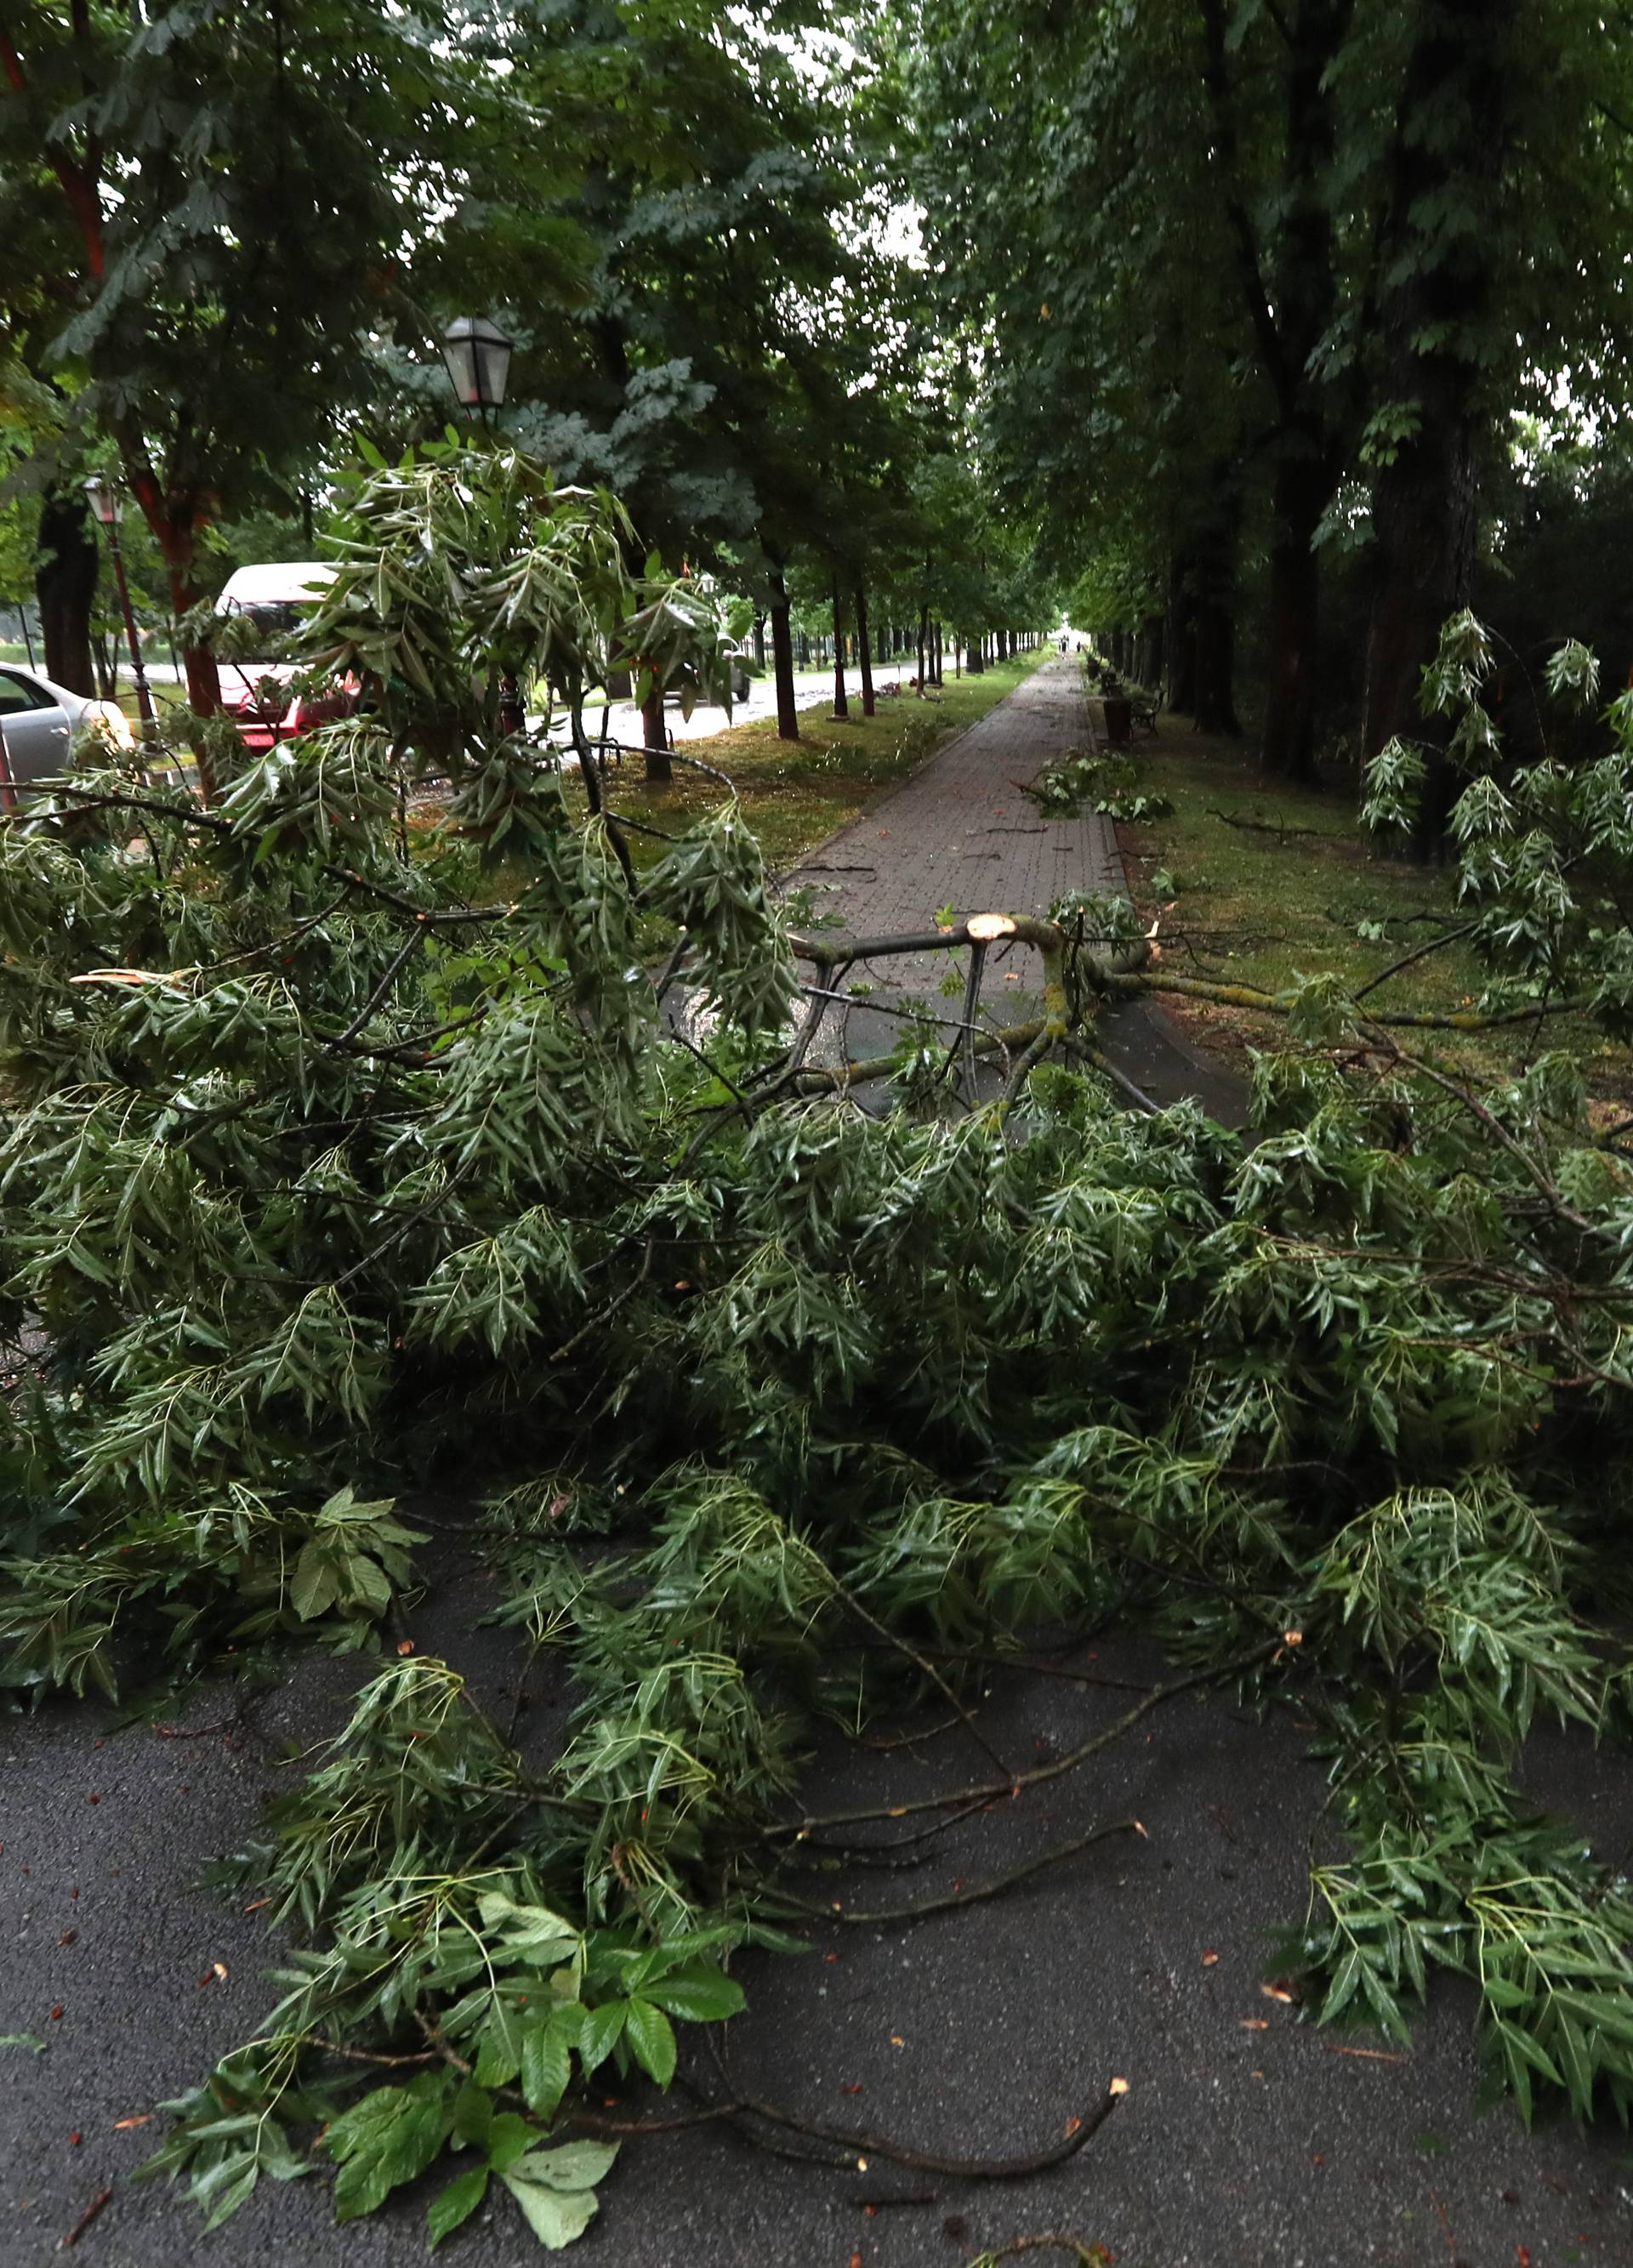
[(109, 507), (477, 354)]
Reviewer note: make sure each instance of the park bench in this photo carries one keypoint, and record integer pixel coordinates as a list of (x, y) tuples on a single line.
[(1144, 710)]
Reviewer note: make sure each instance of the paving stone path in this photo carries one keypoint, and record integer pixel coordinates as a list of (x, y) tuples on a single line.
[(960, 833)]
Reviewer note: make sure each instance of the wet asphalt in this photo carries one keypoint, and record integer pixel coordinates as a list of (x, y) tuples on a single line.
[(1246, 2136)]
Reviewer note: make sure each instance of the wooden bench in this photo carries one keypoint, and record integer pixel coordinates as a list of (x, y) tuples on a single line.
[(1143, 711)]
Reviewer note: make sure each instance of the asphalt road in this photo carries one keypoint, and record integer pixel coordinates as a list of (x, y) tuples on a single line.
[(812, 687), (1245, 2137)]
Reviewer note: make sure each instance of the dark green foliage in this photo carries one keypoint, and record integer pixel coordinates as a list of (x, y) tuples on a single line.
[(319, 1169), (1108, 785)]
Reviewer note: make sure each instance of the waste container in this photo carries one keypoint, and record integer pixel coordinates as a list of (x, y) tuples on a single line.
[(1119, 720)]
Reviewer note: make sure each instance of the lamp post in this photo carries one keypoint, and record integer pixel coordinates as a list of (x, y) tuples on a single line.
[(109, 506), (477, 354)]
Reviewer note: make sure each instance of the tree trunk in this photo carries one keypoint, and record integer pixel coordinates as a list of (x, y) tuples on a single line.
[(936, 651), (1302, 490), (974, 664), (782, 657), (655, 737), (1182, 636), (65, 572), (1148, 669), (841, 704), (1290, 287), (1214, 668), (759, 641), (1456, 110), (198, 662), (864, 659), (924, 632), (177, 517)]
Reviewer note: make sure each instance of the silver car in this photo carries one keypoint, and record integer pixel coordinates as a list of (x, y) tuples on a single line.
[(37, 721)]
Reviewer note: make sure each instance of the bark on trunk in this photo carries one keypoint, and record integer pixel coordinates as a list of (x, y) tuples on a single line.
[(65, 572), (655, 737), (841, 703), (924, 632), (1182, 636), (936, 652), (864, 657), (1302, 490), (1459, 83), (1150, 655), (782, 657), (1215, 669), (1291, 292), (759, 641)]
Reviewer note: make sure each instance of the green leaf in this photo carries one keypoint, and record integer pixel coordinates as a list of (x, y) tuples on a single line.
[(367, 1582), (603, 2028), (546, 2066), (499, 2059), (315, 1585), (510, 2138), (573, 2166), (555, 2218), (24, 2040), (473, 2113), (651, 2036), (456, 2204), (698, 1996), (390, 2136)]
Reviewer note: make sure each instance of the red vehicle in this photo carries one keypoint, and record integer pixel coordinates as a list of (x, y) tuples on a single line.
[(274, 599)]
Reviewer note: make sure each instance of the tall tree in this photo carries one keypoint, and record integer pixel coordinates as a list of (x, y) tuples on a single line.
[(222, 197), (707, 177), (1509, 197)]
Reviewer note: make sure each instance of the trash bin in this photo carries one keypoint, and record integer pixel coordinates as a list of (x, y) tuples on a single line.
[(1119, 720)]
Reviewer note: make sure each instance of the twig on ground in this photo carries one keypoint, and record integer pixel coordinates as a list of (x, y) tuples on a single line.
[(911, 1654), (1274, 826), (971, 1798), (1419, 952), (1046, 2240), (741, 2110), (919, 1912), (85, 2221)]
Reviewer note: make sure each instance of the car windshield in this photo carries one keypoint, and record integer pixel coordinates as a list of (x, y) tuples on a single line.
[(274, 620)]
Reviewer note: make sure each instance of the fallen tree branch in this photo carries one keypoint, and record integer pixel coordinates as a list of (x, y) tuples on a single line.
[(739, 2109), (1278, 827), (924, 1907), (1037, 1774)]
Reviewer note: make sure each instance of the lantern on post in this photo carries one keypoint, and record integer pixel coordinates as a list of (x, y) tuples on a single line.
[(109, 506), (477, 354)]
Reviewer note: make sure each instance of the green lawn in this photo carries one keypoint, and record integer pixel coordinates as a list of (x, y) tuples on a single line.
[(1242, 903)]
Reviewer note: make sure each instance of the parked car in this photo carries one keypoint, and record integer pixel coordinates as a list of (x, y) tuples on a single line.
[(37, 721), (256, 680)]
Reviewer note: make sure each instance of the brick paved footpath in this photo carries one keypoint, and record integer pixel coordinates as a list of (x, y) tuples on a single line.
[(959, 833)]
